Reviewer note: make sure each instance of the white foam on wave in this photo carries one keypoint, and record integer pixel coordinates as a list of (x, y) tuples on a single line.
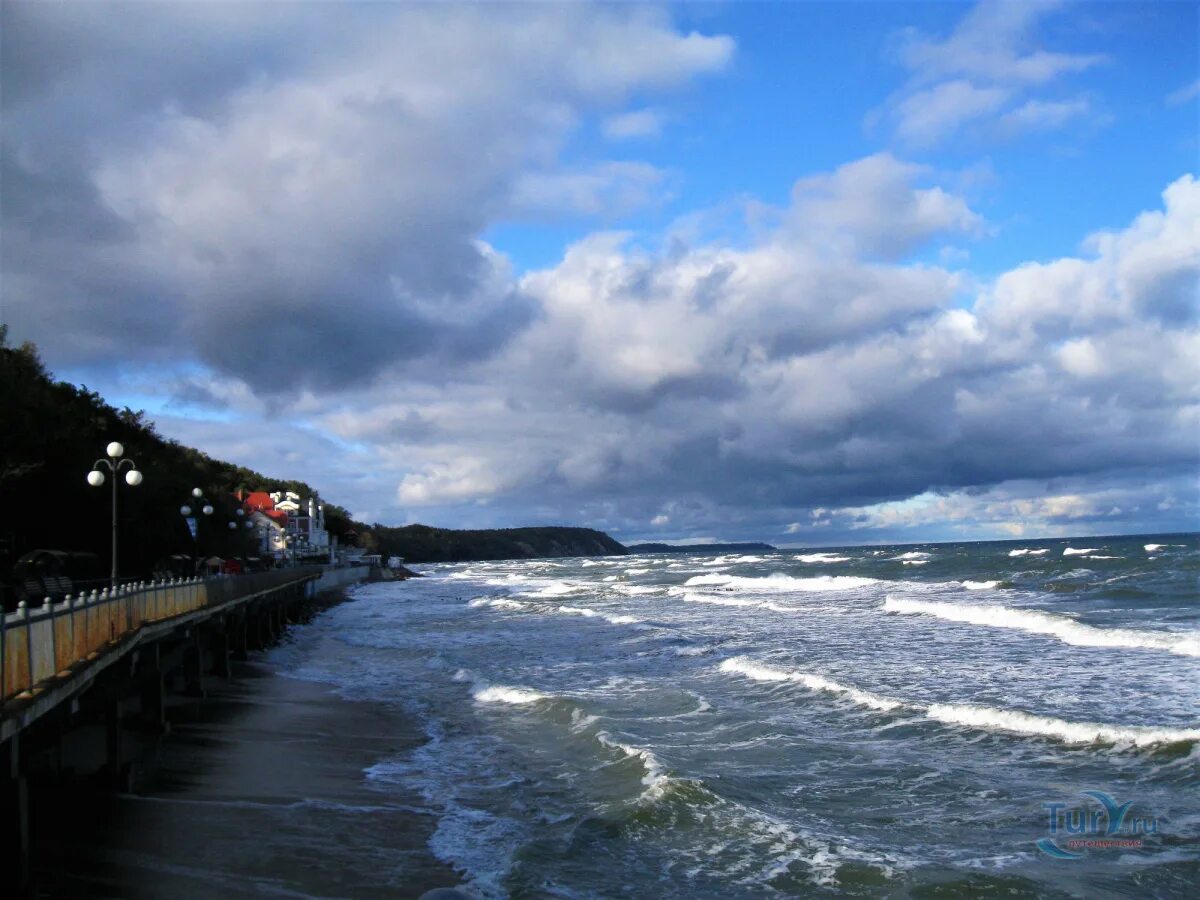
[(759, 672), (1080, 551), (778, 583), (556, 589), (991, 719), (636, 571), (499, 693), (821, 558), (596, 614), (1026, 552), (656, 778), (719, 601), (915, 562), (636, 590), (913, 554), (1065, 629), (497, 603), (622, 620), (985, 718), (980, 585)]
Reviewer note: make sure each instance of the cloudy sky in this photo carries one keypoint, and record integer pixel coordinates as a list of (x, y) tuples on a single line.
[(805, 273)]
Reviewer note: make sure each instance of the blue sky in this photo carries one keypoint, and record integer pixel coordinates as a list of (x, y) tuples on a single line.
[(810, 273)]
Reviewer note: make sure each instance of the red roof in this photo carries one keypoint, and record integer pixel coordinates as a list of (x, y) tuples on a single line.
[(276, 515), (259, 500)]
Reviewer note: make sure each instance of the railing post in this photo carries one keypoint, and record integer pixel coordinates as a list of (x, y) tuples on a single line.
[(23, 609), (48, 606)]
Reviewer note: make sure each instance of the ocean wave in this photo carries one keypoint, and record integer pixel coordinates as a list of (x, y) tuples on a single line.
[(915, 562), (719, 601), (596, 614), (656, 779), (556, 589), (821, 558), (1080, 551), (635, 590), (500, 693), (1026, 552), (778, 583), (990, 719), (497, 603), (1065, 629), (980, 585), (694, 651), (985, 718), (913, 554), (759, 672), (636, 571)]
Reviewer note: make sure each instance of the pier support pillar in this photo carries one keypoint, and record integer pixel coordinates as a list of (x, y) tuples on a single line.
[(220, 653), (152, 692), (193, 666), (241, 648), (115, 771), (18, 852)]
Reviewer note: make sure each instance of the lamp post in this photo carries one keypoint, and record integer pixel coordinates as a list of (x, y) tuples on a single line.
[(193, 525), (115, 461)]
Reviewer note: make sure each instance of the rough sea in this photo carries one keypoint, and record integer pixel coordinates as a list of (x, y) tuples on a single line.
[(988, 719)]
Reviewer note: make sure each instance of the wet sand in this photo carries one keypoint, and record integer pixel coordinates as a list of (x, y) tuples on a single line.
[(259, 790)]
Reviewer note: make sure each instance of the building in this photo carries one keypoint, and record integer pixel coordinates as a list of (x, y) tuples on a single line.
[(290, 528)]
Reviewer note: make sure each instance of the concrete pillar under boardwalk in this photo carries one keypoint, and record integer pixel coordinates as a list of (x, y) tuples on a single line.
[(17, 847), (152, 692), (241, 649), (115, 771), (193, 666), (219, 646)]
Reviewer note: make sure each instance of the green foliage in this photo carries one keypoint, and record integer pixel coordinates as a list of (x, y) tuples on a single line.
[(52, 432)]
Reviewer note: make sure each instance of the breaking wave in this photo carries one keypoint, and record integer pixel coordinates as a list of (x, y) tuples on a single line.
[(1034, 622), (497, 603), (499, 693), (1026, 552), (985, 718), (822, 558), (741, 665), (778, 583), (1080, 551)]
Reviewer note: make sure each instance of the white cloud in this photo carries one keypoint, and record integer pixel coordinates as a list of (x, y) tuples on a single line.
[(980, 80), (1184, 94), (637, 123)]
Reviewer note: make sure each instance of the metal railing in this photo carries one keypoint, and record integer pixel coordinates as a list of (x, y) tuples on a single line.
[(39, 642)]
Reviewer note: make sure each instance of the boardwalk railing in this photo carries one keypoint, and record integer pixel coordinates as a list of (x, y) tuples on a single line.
[(37, 643)]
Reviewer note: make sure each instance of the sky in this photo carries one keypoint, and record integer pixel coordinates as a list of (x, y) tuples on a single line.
[(805, 273)]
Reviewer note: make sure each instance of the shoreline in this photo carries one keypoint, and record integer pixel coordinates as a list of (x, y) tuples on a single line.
[(258, 789)]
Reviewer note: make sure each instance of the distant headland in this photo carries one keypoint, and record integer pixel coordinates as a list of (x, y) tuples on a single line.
[(702, 548)]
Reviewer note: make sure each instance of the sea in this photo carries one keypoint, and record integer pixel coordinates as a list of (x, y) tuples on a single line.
[(973, 719)]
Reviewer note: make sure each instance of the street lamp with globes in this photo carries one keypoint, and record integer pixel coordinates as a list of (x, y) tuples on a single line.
[(186, 512), (114, 463)]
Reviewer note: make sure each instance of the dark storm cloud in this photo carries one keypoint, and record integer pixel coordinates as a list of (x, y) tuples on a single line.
[(293, 194)]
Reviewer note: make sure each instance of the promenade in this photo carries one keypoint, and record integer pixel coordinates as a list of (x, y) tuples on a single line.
[(76, 676)]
